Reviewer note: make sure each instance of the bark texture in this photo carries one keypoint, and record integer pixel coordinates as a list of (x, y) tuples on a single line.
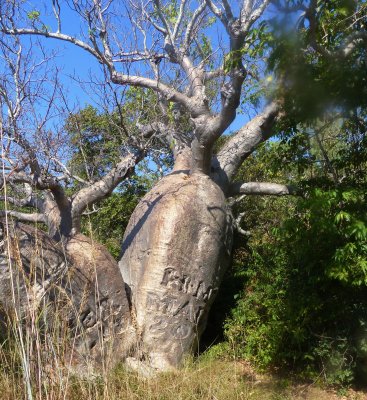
[(174, 254), (100, 313), (30, 263), (78, 286)]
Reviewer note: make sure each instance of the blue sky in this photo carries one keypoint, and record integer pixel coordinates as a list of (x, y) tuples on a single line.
[(76, 62)]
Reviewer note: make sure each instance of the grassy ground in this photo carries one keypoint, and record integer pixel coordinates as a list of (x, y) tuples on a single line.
[(207, 380), (31, 352)]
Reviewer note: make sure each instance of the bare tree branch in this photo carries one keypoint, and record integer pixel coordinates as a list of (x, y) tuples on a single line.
[(26, 198), (55, 35), (250, 14), (243, 143), (102, 188), (164, 21), (238, 29), (34, 217), (179, 19), (68, 173), (167, 91), (191, 25), (237, 224), (261, 188), (222, 16)]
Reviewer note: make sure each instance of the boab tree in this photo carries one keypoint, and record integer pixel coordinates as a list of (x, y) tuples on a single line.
[(40, 187), (178, 241)]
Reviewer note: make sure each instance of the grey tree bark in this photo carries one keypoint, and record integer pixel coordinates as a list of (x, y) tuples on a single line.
[(178, 243), (78, 290), (175, 252)]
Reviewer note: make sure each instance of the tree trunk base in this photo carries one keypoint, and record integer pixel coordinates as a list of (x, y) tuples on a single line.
[(175, 252), (71, 296)]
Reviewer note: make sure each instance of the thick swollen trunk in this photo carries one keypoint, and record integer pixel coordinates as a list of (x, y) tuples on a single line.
[(174, 254), (74, 286)]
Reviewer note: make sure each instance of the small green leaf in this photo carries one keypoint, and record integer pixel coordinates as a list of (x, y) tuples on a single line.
[(33, 15)]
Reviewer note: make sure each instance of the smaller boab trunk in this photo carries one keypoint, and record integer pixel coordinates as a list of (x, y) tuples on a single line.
[(99, 292), (174, 254), (30, 264), (75, 286)]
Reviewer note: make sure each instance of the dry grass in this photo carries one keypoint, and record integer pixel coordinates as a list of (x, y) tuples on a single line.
[(207, 380), (31, 360)]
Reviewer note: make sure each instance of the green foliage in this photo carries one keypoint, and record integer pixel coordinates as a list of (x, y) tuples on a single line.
[(109, 223), (259, 41), (316, 80), (303, 306), (232, 60), (171, 12), (97, 142), (304, 266), (33, 15)]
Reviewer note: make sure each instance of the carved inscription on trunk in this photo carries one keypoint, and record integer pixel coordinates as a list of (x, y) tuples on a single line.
[(174, 263)]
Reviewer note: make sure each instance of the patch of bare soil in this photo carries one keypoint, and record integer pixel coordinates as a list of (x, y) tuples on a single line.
[(272, 387)]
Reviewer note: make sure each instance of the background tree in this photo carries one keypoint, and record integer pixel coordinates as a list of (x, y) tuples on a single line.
[(302, 303), (302, 306)]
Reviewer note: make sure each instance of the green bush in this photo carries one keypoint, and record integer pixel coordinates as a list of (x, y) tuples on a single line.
[(109, 223), (304, 303)]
